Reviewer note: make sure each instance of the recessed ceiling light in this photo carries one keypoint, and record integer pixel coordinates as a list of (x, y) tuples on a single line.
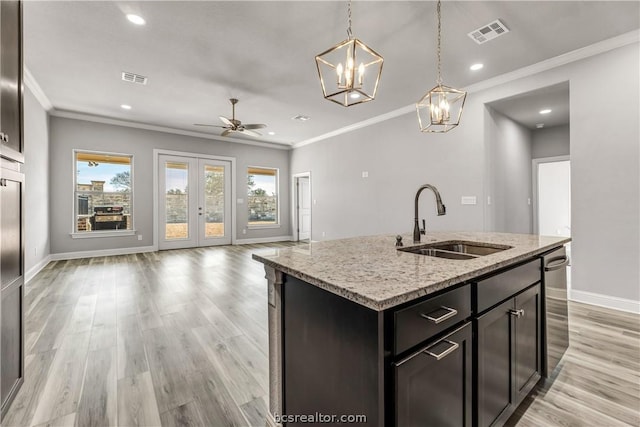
[(354, 95), (138, 20), (301, 118), (476, 67), (540, 125), (125, 107), (545, 111), (271, 133)]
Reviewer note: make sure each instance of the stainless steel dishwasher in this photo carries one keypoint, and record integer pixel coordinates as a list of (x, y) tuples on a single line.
[(556, 321)]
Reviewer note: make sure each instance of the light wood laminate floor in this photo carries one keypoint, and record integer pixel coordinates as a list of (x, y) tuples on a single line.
[(179, 338)]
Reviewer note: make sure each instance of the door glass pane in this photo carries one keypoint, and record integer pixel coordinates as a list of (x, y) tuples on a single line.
[(214, 201), (176, 200)]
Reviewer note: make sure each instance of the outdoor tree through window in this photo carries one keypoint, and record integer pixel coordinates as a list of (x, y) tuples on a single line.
[(103, 192), (262, 196)]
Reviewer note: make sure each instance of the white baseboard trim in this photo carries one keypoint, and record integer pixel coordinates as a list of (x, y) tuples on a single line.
[(101, 252), (264, 240), (31, 273), (606, 301)]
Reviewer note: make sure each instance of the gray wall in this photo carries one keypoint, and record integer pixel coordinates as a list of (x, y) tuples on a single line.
[(550, 142), (68, 134), (398, 159), (509, 173), (36, 170), (605, 171)]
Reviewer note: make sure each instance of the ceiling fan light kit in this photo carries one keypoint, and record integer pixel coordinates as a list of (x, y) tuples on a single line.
[(440, 109), (350, 71)]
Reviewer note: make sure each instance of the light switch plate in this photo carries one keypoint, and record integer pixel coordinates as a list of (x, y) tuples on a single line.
[(365, 174), (469, 200), (240, 201)]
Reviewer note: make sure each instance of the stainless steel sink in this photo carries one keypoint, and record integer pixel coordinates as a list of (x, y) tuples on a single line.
[(459, 250)]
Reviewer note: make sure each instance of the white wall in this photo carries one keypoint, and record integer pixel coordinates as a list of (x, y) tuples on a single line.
[(605, 178), (36, 170), (68, 134), (550, 142), (509, 172)]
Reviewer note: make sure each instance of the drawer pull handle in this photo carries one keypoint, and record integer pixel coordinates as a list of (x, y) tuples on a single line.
[(452, 347), (448, 315), (554, 265), (518, 313)]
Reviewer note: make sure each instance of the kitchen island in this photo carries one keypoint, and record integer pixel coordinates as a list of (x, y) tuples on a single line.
[(358, 327)]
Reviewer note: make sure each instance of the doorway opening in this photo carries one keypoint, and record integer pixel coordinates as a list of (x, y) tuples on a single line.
[(302, 207), (552, 199)]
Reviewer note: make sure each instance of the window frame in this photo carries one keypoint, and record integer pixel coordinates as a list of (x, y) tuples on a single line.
[(277, 223), (74, 220)]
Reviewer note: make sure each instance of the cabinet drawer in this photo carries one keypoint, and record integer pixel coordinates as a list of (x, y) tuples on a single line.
[(421, 321), (495, 289)]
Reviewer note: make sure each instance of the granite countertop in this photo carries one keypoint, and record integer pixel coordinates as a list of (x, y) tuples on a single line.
[(371, 272)]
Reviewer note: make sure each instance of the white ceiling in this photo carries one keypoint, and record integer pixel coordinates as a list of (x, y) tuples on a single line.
[(199, 54), (525, 108)]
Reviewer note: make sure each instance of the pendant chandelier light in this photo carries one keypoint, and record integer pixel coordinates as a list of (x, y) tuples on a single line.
[(350, 71), (440, 109)]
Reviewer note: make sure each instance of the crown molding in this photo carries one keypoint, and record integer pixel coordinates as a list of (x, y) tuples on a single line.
[(117, 122), (548, 64), (36, 90)]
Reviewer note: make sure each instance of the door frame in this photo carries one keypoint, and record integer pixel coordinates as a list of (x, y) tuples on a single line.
[(534, 181), (156, 200), (294, 205)]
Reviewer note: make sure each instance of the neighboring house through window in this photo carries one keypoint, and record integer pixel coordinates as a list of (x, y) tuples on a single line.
[(262, 197), (103, 190)]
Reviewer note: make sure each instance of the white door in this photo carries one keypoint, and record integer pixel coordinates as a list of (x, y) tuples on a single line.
[(194, 202), (554, 199), (303, 189)]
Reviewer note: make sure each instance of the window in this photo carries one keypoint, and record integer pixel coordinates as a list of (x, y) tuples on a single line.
[(103, 192), (262, 197)]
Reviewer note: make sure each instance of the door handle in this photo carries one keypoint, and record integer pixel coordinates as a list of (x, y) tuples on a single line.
[(553, 263), (439, 356), (449, 314), (4, 137), (517, 313)]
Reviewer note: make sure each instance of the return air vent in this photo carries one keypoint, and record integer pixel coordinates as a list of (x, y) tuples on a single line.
[(134, 78), (488, 32)]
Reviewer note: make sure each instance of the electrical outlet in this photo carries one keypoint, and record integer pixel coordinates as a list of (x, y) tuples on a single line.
[(244, 231), (240, 201), (488, 200), (529, 201), (139, 236), (314, 201), (323, 234)]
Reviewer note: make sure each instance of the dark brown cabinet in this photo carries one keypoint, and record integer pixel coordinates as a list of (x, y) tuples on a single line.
[(12, 282), (433, 386), (11, 203), (508, 354), (11, 75)]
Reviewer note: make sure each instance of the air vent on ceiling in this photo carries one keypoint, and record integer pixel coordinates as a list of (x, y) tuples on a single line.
[(488, 32), (134, 78)]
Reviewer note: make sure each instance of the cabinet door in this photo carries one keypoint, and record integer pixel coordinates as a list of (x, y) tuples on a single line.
[(12, 280), (10, 73), (494, 346), (527, 342), (11, 343), (433, 386)]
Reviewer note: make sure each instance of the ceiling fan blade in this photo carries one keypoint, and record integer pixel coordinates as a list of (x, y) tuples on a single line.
[(204, 124), (255, 126), (250, 132), (226, 132), (226, 121)]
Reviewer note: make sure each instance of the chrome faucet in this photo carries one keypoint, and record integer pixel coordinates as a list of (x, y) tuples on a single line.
[(442, 210)]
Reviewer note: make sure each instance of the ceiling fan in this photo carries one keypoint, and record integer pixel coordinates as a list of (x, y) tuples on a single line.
[(233, 125)]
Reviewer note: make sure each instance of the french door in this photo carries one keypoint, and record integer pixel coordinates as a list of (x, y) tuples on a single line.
[(194, 202)]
